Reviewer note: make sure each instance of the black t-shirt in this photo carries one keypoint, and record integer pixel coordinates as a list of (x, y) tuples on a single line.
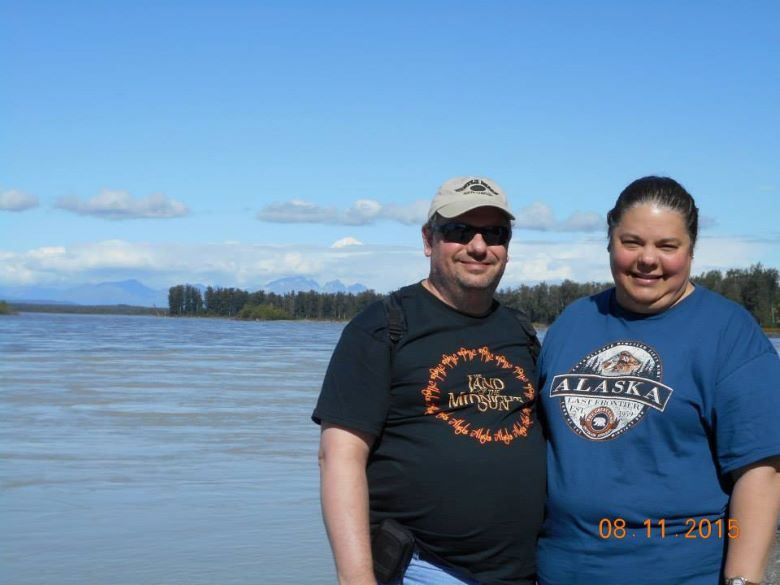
[(459, 456)]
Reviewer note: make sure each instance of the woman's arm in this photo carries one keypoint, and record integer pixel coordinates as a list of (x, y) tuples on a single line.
[(755, 505)]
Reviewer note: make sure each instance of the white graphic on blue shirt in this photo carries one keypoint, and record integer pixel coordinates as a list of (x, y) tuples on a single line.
[(611, 390)]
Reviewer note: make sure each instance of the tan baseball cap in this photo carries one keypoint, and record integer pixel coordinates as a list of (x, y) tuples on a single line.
[(461, 194)]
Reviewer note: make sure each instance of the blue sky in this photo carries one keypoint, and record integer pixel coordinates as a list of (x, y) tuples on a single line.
[(232, 143)]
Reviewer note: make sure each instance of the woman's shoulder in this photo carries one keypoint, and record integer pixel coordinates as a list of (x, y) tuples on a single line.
[(739, 336), (580, 310), (723, 312), (598, 303)]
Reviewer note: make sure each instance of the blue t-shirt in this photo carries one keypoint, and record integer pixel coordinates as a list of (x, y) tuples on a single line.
[(647, 415)]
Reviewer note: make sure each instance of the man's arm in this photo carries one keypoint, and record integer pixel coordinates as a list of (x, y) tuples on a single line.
[(755, 504), (344, 494)]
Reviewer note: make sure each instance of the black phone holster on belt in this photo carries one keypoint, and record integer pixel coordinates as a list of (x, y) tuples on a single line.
[(392, 546)]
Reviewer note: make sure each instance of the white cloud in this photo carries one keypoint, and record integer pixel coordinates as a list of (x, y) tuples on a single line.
[(297, 211), (243, 265), (717, 253), (382, 268), (413, 214), (582, 261), (706, 222), (365, 208), (535, 217), (582, 221), (344, 242), (119, 205), (539, 217), (362, 212), (14, 200)]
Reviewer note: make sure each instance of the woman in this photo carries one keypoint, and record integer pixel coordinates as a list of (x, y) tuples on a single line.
[(662, 403)]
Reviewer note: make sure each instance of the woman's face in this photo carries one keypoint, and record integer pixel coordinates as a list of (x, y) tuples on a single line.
[(650, 255)]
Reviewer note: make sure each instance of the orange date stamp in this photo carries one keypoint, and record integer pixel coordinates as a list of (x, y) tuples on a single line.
[(694, 528)]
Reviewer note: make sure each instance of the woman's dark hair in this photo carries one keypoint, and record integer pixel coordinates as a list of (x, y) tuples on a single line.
[(661, 191)]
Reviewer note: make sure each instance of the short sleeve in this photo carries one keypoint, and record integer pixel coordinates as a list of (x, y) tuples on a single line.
[(747, 397), (356, 389)]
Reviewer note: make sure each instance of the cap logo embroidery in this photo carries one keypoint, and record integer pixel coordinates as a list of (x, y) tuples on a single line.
[(477, 186)]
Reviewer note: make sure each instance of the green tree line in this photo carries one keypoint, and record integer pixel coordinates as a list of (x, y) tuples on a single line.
[(756, 288), (185, 299)]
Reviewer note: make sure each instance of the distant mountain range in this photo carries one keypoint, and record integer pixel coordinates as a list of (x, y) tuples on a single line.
[(133, 292), (125, 292), (302, 283)]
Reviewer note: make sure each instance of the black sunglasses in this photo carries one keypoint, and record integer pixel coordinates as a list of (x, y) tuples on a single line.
[(462, 233)]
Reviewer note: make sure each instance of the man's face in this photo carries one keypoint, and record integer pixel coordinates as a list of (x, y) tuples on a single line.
[(473, 265)]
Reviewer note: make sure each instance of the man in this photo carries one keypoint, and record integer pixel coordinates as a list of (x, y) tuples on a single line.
[(438, 431)]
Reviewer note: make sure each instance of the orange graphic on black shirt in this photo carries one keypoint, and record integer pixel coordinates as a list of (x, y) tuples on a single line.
[(484, 393)]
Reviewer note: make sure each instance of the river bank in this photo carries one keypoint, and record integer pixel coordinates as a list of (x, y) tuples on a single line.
[(15, 308)]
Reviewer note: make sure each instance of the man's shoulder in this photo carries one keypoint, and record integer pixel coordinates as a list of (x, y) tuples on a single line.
[(517, 312), (410, 291), (373, 320), (370, 320), (516, 316)]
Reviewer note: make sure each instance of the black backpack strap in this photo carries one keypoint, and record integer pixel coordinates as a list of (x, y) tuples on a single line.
[(396, 320), (534, 346)]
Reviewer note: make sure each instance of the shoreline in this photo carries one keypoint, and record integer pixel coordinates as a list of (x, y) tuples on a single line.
[(16, 308), (133, 310)]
